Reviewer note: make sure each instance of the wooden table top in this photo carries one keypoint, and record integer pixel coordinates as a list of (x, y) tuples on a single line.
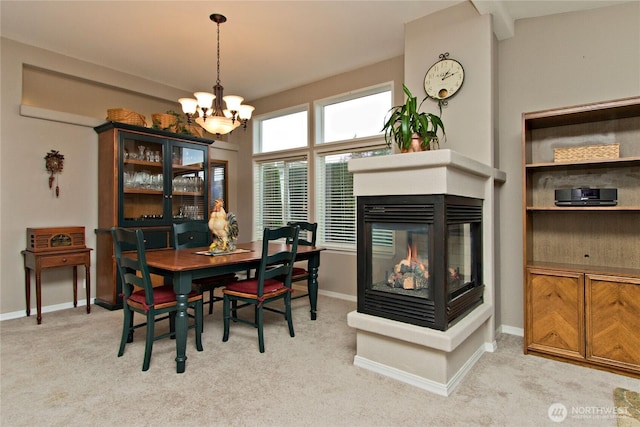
[(188, 259)]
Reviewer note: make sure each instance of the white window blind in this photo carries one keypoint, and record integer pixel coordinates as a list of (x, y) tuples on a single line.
[(280, 193), (336, 202)]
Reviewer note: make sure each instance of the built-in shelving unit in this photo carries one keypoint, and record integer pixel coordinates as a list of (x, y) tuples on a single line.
[(582, 263)]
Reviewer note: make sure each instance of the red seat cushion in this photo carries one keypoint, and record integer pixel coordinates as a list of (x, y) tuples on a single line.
[(298, 271), (250, 286), (161, 295)]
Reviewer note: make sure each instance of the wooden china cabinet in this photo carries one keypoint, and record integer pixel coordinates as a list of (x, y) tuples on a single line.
[(146, 179), (582, 263)]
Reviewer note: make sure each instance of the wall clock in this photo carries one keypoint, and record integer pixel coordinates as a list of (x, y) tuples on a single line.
[(54, 162), (444, 78)]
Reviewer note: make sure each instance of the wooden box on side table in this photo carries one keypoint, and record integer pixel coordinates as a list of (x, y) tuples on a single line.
[(55, 238)]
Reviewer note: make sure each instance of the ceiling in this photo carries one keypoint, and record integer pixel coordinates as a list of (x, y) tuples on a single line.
[(266, 46)]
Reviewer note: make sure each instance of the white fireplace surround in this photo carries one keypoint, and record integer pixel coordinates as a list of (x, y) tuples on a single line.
[(427, 358)]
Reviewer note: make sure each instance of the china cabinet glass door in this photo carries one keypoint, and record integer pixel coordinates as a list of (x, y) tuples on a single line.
[(162, 181), (188, 185), (143, 188)]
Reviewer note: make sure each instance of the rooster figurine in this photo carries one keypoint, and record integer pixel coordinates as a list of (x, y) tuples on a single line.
[(224, 227)]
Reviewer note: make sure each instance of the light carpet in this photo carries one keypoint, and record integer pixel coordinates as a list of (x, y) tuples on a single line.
[(65, 372)]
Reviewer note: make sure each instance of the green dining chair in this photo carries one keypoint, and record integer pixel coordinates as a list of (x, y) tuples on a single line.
[(194, 235), (139, 295), (272, 282), (307, 237)]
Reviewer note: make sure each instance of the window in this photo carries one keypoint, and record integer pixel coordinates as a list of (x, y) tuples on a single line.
[(356, 115), (218, 178), (280, 193), (336, 203), (282, 132), (347, 126)]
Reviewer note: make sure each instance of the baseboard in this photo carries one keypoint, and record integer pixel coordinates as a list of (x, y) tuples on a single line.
[(45, 309), (63, 306), (301, 287), (337, 295), (511, 330)]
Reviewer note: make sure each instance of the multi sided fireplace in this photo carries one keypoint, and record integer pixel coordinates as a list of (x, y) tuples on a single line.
[(419, 258)]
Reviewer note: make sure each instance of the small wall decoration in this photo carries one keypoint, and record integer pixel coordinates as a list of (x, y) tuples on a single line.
[(54, 163)]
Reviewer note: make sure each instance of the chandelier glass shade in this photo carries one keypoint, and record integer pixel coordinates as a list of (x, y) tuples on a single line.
[(207, 108)]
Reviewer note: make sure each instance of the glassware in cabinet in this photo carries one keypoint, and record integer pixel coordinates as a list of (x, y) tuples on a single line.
[(188, 182)]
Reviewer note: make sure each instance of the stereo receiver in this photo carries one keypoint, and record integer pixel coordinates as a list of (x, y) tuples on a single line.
[(587, 197)]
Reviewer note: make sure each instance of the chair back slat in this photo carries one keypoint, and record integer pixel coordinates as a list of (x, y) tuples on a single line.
[(307, 236), (190, 234), (133, 272)]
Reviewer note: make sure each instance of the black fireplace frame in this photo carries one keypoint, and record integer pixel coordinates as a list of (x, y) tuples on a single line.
[(438, 210)]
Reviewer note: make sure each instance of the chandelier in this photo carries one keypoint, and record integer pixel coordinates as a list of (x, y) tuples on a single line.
[(208, 106)]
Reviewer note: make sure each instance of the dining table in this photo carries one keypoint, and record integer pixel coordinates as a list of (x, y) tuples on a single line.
[(182, 266)]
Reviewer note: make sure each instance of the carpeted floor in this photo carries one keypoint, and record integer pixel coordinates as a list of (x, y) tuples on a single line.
[(65, 372)]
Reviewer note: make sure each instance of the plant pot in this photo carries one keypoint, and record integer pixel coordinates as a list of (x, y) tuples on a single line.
[(416, 145)]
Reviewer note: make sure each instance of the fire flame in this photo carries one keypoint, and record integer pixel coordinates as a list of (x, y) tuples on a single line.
[(410, 272), (412, 259)]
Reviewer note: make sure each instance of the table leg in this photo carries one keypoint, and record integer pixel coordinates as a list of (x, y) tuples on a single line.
[(75, 285), (313, 265), (182, 287), (87, 274), (312, 285), (27, 284), (38, 296)]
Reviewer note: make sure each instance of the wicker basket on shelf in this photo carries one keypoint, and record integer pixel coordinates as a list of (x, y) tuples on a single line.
[(194, 129), (586, 152), (164, 121), (123, 115)]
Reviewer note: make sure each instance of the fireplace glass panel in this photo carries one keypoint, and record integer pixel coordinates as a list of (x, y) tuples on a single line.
[(459, 251), (400, 259)]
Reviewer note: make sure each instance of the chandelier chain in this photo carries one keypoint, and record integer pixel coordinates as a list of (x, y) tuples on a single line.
[(218, 54)]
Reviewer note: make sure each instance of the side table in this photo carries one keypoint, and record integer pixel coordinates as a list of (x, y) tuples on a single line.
[(38, 261)]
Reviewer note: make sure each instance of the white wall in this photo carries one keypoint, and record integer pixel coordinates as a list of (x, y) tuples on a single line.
[(26, 198), (468, 38)]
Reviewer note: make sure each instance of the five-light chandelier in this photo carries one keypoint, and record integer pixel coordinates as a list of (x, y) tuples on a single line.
[(211, 116)]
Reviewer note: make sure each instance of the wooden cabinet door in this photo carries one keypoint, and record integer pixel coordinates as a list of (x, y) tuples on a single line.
[(613, 321), (555, 313)]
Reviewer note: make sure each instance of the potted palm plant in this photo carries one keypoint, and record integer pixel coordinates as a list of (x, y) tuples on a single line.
[(410, 129)]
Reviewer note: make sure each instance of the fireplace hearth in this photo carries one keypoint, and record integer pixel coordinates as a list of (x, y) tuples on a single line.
[(420, 258)]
